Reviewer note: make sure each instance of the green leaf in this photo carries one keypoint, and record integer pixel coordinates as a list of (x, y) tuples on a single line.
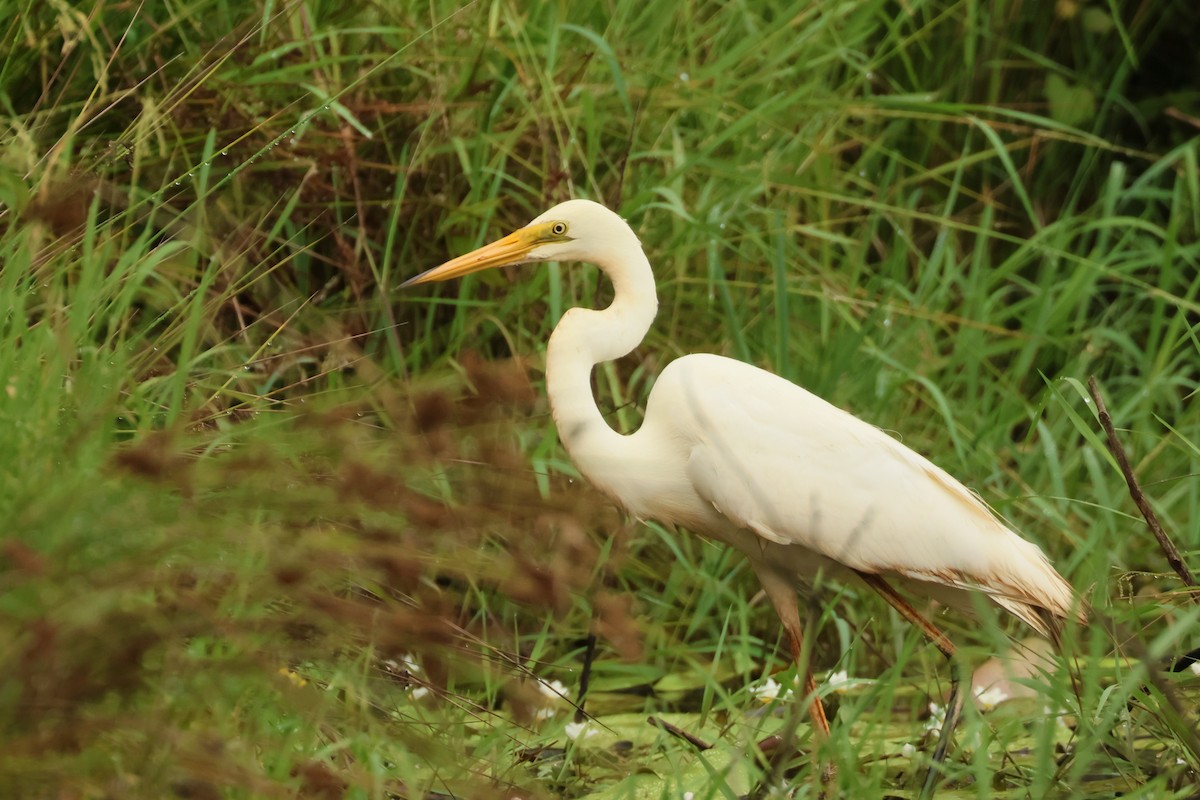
[(1069, 104), (1096, 20)]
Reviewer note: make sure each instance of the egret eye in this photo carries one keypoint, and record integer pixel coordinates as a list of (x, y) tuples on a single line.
[(558, 228)]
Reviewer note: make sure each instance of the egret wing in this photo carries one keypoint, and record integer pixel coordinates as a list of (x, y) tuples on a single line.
[(780, 461)]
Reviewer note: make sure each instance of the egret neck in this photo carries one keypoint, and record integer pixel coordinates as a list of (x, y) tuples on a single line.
[(587, 337)]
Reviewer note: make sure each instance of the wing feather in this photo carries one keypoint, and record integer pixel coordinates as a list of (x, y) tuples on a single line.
[(783, 463)]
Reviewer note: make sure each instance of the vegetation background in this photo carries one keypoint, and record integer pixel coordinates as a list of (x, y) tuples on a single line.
[(273, 529)]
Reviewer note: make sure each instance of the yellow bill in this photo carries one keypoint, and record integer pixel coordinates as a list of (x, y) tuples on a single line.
[(512, 249)]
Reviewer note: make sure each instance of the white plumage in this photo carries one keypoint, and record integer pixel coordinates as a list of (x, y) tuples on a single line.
[(748, 458)]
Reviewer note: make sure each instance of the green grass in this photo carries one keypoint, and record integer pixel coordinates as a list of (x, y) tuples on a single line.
[(275, 529)]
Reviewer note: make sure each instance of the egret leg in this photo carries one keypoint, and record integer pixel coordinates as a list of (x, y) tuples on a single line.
[(954, 709), (782, 595), (955, 705)]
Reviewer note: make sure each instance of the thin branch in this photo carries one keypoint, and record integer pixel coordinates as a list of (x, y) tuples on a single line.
[(675, 730), (1175, 713), (585, 677), (1135, 491)]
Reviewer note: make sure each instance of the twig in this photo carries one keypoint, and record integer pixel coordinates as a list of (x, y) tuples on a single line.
[(1135, 491), (1172, 111), (675, 730), (585, 678), (1175, 713)]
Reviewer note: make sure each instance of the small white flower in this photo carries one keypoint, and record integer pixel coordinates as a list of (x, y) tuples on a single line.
[(1195, 667), (419, 692), (937, 718), (409, 662), (907, 750), (841, 682), (990, 697), (554, 689), (575, 730), (769, 690), (689, 796), (836, 679)]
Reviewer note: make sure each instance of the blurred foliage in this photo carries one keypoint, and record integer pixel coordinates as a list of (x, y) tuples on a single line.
[(278, 530)]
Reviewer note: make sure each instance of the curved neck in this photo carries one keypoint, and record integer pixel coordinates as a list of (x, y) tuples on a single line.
[(586, 337)]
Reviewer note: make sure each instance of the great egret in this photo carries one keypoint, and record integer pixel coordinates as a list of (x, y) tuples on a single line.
[(750, 459)]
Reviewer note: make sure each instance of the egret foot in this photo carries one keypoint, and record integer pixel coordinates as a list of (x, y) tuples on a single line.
[(828, 780), (778, 751)]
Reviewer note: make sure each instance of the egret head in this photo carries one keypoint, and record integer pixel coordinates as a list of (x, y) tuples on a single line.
[(571, 231)]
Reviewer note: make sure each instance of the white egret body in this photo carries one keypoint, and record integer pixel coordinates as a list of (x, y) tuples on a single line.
[(738, 454)]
